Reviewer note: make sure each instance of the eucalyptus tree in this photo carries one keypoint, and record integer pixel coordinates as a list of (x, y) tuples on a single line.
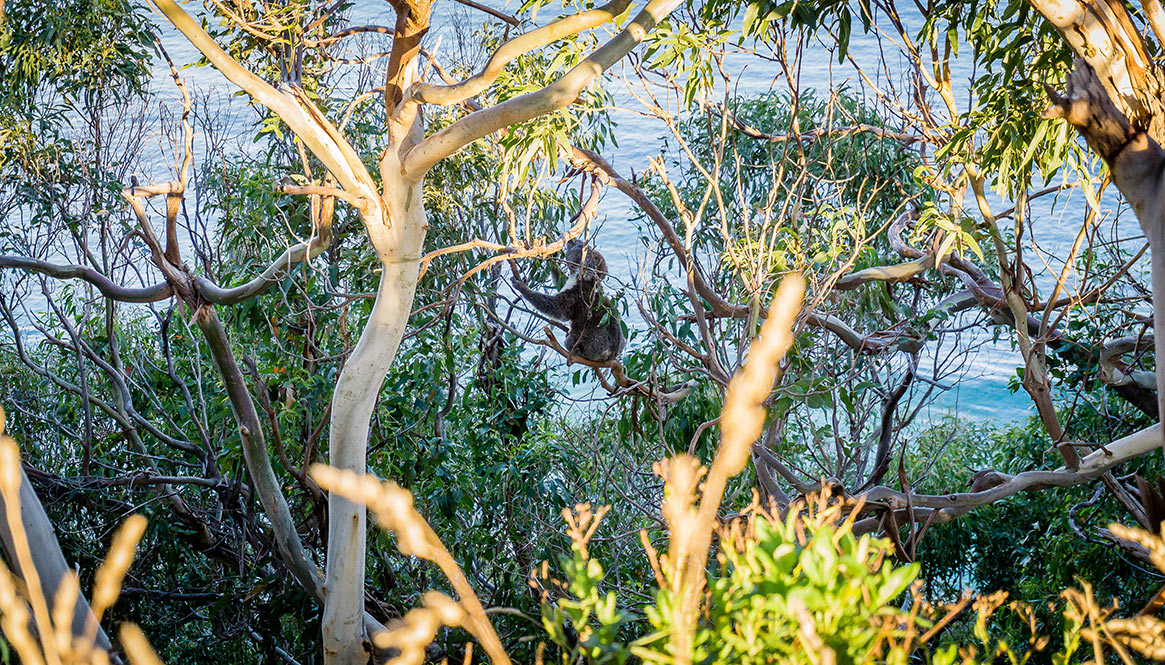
[(385, 189)]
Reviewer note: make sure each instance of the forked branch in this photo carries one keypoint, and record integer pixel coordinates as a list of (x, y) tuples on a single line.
[(305, 120), (555, 96), (564, 27)]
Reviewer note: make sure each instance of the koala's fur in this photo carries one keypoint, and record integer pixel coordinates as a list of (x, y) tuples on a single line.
[(595, 332)]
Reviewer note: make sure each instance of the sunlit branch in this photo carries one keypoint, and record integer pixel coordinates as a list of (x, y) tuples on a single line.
[(557, 95), (902, 272), (564, 27), (292, 107), (279, 269), (1156, 18), (950, 506), (355, 200)]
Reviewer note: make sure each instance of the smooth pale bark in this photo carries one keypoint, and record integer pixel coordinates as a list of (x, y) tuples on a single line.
[(1139, 173), (511, 50), (557, 95), (398, 238), (48, 560)]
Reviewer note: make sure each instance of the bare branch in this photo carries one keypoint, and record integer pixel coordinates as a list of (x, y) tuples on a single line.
[(584, 217), (813, 134), (104, 284), (489, 10), (902, 272), (950, 506), (298, 253), (355, 200)]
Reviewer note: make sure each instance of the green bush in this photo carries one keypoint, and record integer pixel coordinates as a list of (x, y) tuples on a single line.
[(806, 589)]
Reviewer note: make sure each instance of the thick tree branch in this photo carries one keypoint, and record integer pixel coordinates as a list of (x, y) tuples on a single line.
[(557, 95), (950, 506), (412, 24), (294, 108), (1116, 373), (263, 477), (902, 272), (1102, 34), (426, 93)]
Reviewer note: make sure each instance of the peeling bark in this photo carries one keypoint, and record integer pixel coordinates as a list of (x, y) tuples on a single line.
[(1137, 163)]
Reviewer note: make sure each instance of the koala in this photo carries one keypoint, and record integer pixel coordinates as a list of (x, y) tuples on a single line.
[(595, 332)]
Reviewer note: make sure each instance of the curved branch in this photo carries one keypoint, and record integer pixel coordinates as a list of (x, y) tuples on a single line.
[(902, 272), (1115, 373), (950, 506), (297, 253), (872, 343), (555, 96), (104, 284), (427, 93), (294, 108)]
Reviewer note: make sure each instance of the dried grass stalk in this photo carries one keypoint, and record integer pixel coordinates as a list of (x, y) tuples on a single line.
[(741, 422), (394, 510)]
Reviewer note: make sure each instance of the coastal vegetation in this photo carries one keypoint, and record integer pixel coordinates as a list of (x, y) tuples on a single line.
[(257, 270)]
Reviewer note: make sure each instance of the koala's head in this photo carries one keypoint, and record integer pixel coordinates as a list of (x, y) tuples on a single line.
[(589, 263)]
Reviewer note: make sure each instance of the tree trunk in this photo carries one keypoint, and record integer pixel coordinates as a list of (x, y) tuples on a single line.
[(1114, 97), (398, 237), (47, 558)]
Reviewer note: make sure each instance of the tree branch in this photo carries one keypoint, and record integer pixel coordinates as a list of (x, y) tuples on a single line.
[(297, 253), (426, 93), (423, 156), (294, 108), (104, 284)]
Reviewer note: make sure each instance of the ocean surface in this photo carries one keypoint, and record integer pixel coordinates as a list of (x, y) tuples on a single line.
[(981, 394)]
